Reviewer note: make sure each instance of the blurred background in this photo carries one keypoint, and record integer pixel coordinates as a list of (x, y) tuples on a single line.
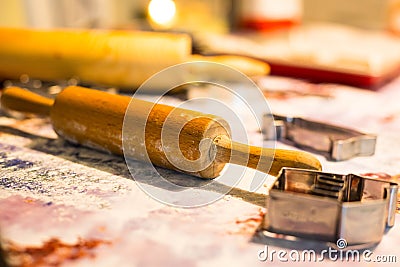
[(333, 41), (198, 15)]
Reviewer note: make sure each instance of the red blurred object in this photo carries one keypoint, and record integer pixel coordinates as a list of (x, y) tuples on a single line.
[(268, 15), (329, 76), (268, 25)]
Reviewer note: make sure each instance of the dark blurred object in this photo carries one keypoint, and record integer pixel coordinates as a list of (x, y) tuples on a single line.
[(3, 262)]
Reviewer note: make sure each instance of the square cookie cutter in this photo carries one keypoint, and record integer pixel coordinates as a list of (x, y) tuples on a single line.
[(328, 207), (336, 143)]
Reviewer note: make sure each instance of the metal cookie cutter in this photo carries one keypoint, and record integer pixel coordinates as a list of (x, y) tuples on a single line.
[(329, 207), (337, 143)]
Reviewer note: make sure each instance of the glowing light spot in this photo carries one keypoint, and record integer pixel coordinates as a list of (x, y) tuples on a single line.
[(162, 12)]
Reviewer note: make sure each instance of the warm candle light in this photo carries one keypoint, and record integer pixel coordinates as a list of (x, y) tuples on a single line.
[(162, 12)]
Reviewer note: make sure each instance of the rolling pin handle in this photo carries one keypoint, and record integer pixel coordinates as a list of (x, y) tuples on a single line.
[(267, 160), (22, 100)]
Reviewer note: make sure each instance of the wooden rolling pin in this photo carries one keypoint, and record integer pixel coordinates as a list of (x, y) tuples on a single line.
[(95, 119), (123, 59)]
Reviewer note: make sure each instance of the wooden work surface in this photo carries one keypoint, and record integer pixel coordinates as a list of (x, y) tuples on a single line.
[(65, 205)]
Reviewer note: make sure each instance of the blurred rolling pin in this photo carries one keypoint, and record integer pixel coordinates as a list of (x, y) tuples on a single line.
[(123, 59), (95, 119)]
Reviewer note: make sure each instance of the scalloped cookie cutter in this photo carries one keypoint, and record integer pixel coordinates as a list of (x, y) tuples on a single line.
[(328, 207), (336, 143)]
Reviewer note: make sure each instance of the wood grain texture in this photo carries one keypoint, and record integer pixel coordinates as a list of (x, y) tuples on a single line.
[(95, 119), (173, 138)]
